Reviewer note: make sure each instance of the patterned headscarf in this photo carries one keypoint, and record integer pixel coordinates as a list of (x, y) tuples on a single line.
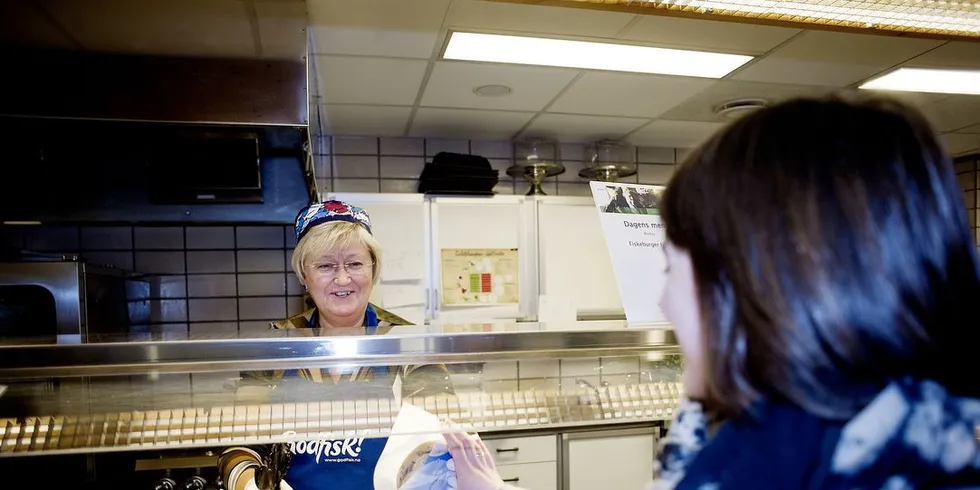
[(329, 211)]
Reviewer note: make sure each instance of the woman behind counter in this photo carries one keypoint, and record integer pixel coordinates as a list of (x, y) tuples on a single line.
[(338, 261)]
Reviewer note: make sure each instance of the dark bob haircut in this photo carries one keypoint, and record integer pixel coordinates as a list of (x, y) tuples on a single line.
[(831, 254)]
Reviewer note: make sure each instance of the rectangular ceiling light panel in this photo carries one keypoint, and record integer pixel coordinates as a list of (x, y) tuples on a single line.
[(496, 48), (944, 17), (928, 80)]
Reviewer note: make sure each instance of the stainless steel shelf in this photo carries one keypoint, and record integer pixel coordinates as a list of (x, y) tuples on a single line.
[(292, 350)]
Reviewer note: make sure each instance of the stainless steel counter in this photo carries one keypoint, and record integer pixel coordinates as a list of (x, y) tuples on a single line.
[(297, 349)]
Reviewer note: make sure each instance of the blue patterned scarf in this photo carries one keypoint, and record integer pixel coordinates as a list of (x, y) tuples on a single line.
[(912, 435)]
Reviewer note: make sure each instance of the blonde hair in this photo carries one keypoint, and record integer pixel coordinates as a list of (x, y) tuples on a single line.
[(336, 235)]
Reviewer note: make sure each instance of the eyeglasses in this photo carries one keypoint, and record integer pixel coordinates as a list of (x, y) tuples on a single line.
[(355, 268)]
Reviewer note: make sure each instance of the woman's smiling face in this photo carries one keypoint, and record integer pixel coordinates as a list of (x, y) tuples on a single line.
[(340, 283)]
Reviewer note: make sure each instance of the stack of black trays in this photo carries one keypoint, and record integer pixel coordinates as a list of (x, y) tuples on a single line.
[(455, 173)]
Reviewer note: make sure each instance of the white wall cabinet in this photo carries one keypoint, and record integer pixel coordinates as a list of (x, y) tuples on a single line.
[(483, 222), (562, 252), (574, 267)]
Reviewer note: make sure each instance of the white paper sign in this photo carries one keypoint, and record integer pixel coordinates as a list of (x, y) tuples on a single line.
[(635, 238)]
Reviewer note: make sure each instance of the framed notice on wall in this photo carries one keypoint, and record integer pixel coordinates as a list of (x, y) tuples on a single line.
[(479, 276)]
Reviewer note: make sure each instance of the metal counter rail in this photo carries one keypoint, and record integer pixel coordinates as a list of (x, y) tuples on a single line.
[(270, 423), (292, 352)]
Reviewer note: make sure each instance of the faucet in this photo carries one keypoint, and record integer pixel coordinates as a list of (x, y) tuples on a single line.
[(585, 384)]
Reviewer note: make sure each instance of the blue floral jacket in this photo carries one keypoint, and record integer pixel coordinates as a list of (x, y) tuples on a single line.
[(912, 435)]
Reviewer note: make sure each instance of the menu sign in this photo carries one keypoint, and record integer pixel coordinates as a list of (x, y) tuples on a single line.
[(635, 237)]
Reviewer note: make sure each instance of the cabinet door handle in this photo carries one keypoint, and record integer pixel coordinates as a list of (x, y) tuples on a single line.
[(512, 480), (511, 450)]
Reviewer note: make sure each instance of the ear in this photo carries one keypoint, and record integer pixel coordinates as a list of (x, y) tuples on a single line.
[(303, 282)]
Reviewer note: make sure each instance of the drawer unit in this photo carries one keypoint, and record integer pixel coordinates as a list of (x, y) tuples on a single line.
[(536, 476), (518, 450)]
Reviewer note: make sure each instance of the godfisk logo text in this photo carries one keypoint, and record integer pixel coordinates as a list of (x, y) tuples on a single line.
[(330, 450)]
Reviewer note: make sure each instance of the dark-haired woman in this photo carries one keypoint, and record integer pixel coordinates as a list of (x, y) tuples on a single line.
[(823, 284)]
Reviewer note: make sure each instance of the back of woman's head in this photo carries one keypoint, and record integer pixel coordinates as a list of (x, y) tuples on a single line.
[(831, 253)]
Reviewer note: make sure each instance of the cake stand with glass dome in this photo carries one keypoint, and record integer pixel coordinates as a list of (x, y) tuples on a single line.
[(535, 160), (609, 161)]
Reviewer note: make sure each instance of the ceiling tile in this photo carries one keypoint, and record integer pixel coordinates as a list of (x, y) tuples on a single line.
[(975, 129), (705, 34), (579, 128), (918, 99), (954, 112), (357, 80), (177, 27), (22, 24), (358, 120), (833, 58), (675, 134), (408, 29), (950, 55), (282, 29), (617, 94), (451, 85), (368, 41), (701, 107), (468, 123), (513, 17), (789, 71), (961, 144)]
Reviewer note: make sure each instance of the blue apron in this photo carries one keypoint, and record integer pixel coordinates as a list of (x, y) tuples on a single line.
[(342, 464)]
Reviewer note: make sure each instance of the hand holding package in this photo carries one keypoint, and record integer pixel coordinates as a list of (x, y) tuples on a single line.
[(436, 472)]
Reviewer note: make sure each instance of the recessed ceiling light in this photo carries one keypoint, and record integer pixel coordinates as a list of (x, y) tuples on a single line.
[(520, 50), (735, 109), (493, 90), (928, 80)]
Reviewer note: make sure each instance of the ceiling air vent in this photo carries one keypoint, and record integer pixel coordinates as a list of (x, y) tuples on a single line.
[(735, 109)]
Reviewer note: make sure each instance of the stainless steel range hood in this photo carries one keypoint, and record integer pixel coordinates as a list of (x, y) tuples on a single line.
[(150, 88), (99, 94), (125, 138)]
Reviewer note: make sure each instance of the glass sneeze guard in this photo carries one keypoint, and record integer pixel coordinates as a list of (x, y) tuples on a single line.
[(105, 394)]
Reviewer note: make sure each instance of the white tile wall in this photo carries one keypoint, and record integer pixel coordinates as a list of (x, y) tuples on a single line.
[(107, 238), (549, 374), (260, 237), (211, 237), (148, 238), (211, 261), (211, 285), (358, 164), (197, 273)]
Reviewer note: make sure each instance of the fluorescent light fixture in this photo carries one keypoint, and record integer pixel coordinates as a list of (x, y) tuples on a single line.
[(519, 50), (956, 17), (928, 80)]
